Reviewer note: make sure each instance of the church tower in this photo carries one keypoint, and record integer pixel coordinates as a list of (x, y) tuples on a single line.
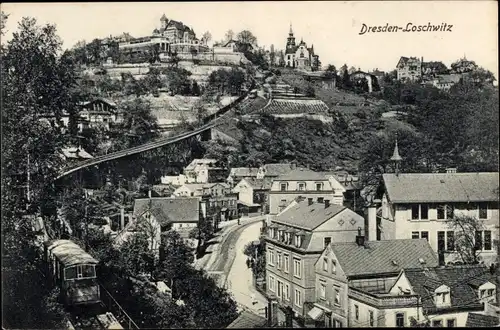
[(290, 41), (163, 21)]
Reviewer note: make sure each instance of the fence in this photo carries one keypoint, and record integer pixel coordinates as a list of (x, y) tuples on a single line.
[(115, 308)]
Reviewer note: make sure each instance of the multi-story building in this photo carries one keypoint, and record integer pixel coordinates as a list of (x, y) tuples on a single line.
[(204, 171), (272, 171), (294, 241), (357, 265), (300, 56), (253, 195), (99, 112), (409, 68), (428, 205), (236, 174), (302, 182), (437, 297)]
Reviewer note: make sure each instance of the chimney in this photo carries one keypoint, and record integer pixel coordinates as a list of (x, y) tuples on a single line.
[(327, 203), (309, 201), (122, 218), (451, 170), (360, 239), (372, 220)]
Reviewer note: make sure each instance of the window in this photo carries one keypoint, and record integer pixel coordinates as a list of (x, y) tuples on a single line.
[(487, 240), (482, 294), (372, 319), (356, 312), (400, 320), (450, 210), (271, 283), (415, 211), (441, 212), (325, 264), (490, 293), (450, 323), (271, 257), (425, 234), (415, 235), (437, 323), (483, 210), (287, 291), (322, 290), (302, 186), (79, 271), (278, 263), (287, 266), (298, 298), (296, 268), (70, 273), (280, 289), (319, 186), (478, 240), (450, 241), (424, 211), (298, 240), (337, 297), (327, 241), (283, 187), (334, 266), (321, 199)]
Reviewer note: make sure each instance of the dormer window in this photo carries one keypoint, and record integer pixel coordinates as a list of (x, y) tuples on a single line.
[(442, 296), (319, 186), (301, 186), (487, 292), (283, 186), (298, 240)]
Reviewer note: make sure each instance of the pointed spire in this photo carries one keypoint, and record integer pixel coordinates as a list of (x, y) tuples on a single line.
[(291, 31), (396, 158)]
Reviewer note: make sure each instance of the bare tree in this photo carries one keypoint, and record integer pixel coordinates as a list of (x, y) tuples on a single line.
[(229, 35), (466, 229), (207, 37)]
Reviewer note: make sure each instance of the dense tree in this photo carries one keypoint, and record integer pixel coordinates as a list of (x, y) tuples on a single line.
[(35, 81), (177, 79), (247, 37), (330, 72), (466, 242)]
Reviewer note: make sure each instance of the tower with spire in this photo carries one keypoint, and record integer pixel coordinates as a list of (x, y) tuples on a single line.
[(290, 41), (396, 158)]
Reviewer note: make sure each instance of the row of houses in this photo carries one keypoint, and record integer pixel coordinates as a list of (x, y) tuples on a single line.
[(401, 264)]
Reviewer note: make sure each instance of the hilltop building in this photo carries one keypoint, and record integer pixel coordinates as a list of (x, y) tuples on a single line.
[(300, 56)]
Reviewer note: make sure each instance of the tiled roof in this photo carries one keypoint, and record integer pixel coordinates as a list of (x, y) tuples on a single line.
[(276, 169), (305, 174), (475, 320), (296, 106), (179, 209), (462, 281), (244, 171), (309, 217), (260, 184), (449, 78), (442, 187), (248, 319), (377, 256)]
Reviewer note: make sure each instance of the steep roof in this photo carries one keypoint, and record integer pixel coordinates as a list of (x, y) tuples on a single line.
[(260, 184), (276, 169), (309, 217), (178, 209), (475, 320), (69, 253), (247, 319), (376, 257), (442, 187), (305, 174), (462, 281)]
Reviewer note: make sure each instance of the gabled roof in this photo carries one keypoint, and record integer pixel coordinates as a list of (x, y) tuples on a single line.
[(379, 257), (178, 209), (260, 184), (475, 320), (276, 169), (462, 281), (309, 217), (442, 187), (246, 320), (404, 60)]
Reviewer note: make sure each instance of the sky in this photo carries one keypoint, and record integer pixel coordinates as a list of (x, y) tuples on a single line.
[(332, 27)]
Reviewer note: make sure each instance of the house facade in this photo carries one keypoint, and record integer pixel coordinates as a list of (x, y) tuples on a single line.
[(358, 266), (300, 56), (424, 205), (294, 240), (439, 297), (99, 112), (236, 174), (409, 68), (254, 193), (305, 183), (204, 171)]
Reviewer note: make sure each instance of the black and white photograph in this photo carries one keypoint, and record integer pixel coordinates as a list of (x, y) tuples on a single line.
[(249, 164)]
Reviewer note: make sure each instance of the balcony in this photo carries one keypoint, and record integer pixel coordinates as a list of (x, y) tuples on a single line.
[(329, 306), (384, 300)]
